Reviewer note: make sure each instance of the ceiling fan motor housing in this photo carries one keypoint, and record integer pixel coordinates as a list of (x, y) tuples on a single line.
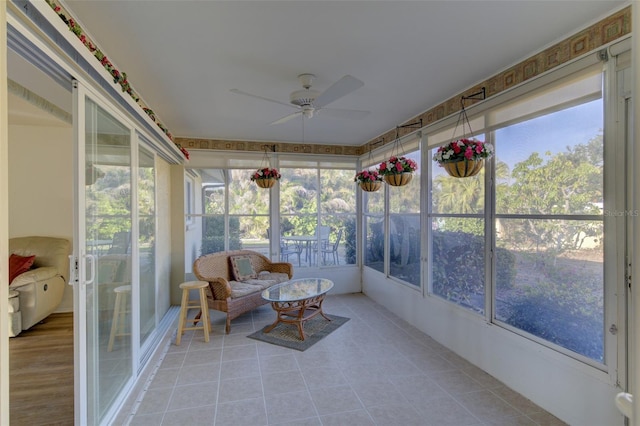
[(303, 97), (306, 96)]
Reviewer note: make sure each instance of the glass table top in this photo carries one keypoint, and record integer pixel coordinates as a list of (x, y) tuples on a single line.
[(300, 289)]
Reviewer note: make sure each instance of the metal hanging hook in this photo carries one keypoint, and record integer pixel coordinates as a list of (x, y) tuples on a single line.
[(398, 142), (481, 95), (265, 158)]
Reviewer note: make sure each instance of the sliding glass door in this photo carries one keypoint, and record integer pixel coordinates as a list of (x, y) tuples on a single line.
[(102, 248)]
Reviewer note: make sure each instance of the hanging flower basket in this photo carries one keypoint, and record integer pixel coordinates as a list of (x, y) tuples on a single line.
[(398, 179), (266, 183), (265, 177), (370, 186), (463, 168), (398, 171), (463, 157), (369, 180)]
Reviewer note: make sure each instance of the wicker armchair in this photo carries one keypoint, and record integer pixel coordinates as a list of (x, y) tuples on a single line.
[(216, 269)]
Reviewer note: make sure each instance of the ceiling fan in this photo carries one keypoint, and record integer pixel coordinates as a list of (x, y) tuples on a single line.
[(308, 101)]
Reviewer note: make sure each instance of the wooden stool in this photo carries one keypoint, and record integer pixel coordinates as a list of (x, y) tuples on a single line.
[(187, 304), (120, 311)]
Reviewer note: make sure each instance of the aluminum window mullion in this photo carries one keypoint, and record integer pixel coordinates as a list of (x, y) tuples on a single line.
[(227, 183), (490, 290), (460, 215), (386, 268), (425, 209)]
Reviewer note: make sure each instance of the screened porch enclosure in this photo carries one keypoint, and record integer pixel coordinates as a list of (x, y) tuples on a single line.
[(517, 250), (525, 253)]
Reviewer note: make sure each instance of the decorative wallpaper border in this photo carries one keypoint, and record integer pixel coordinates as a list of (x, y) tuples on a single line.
[(258, 146), (599, 34)]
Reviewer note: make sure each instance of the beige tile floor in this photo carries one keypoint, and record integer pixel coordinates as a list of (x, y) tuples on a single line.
[(374, 370)]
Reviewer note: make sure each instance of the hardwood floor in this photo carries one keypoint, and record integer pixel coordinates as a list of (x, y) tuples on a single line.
[(41, 373)]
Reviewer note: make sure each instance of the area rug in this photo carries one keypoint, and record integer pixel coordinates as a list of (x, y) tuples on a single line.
[(287, 335)]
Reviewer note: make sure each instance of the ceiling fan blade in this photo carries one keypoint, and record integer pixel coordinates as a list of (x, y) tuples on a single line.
[(240, 92), (351, 114), (286, 118), (340, 88)]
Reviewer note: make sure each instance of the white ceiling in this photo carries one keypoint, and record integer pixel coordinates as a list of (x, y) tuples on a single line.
[(183, 57)]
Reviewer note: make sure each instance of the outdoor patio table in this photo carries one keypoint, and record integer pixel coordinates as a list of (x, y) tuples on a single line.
[(303, 239)]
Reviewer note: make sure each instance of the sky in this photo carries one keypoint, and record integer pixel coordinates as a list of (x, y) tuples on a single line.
[(552, 132)]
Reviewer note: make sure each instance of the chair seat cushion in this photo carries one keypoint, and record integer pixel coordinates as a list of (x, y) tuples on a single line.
[(278, 277), (267, 279), (261, 283), (243, 288)]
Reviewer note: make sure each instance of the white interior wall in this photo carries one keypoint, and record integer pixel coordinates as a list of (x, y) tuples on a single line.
[(546, 377), (41, 186)]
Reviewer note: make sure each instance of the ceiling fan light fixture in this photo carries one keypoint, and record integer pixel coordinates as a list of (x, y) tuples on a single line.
[(306, 80), (307, 111)]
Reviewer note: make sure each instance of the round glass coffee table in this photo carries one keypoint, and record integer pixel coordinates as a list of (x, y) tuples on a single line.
[(297, 301)]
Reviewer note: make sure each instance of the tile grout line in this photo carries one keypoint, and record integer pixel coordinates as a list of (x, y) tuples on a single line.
[(264, 394), (306, 386), (215, 414), (354, 315)]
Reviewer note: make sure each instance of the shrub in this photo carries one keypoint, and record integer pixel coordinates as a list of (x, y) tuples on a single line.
[(213, 239), (350, 241), (546, 316), (505, 268), (375, 244), (458, 266)]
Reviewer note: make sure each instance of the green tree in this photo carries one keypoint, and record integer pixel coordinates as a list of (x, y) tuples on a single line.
[(298, 199), (463, 196), (109, 203), (566, 183)]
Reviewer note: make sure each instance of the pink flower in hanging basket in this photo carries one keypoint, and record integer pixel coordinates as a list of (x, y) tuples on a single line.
[(368, 176), (396, 165), (463, 149), (266, 173)]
